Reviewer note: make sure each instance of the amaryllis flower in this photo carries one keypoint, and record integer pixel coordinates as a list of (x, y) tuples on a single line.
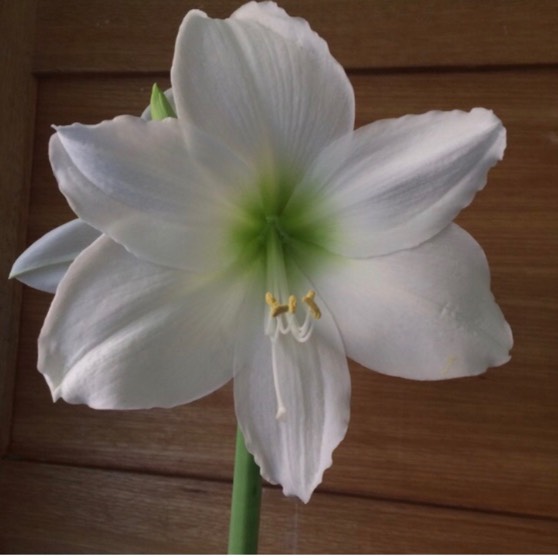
[(258, 237)]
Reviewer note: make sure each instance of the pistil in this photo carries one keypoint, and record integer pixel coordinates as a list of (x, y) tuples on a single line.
[(282, 319)]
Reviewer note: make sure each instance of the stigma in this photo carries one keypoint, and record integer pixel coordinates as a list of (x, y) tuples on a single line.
[(282, 320)]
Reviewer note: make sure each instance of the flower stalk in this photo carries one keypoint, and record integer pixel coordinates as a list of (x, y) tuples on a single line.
[(245, 505)]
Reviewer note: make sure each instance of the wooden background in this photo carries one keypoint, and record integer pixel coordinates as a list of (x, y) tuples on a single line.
[(462, 466)]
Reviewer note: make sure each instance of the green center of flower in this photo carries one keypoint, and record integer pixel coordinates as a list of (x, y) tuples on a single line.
[(279, 209)]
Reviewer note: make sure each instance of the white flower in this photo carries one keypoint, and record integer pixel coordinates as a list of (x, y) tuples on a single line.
[(256, 236)]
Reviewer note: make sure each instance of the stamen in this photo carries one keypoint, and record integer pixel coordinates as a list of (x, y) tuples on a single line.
[(292, 304), (308, 299), (276, 308), (282, 320)]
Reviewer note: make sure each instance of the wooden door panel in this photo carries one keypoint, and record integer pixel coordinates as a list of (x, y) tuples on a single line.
[(130, 36), (469, 465), (80, 510)]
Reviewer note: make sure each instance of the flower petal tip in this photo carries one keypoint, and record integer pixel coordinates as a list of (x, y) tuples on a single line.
[(14, 272)]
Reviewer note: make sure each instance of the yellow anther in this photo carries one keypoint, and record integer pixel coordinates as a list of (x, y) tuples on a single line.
[(308, 299), (292, 304), (279, 309), (276, 309)]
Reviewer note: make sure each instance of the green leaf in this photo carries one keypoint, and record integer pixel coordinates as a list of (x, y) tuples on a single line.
[(160, 106)]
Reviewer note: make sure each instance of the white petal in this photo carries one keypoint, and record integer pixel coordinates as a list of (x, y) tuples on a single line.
[(135, 181), (396, 183), (125, 334), (314, 383), (44, 263), (263, 83), (424, 314)]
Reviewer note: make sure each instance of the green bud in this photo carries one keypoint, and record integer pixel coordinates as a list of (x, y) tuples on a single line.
[(160, 106)]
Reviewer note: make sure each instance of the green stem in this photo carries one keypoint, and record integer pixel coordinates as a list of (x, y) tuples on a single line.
[(245, 505)]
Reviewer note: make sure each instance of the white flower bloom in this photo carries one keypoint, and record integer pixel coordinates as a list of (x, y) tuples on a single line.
[(256, 236)]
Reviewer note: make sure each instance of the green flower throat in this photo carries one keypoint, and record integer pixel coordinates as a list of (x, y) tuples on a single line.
[(282, 217)]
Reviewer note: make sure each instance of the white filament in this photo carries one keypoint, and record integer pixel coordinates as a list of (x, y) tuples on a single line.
[(285, 324)]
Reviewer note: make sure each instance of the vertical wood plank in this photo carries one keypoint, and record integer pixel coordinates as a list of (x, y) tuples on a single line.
[(17, 95)]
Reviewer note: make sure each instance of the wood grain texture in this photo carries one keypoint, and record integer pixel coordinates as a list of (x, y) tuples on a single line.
[(132, 36), (486, 443), (78, 510), (463, 466), (17, 91)]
